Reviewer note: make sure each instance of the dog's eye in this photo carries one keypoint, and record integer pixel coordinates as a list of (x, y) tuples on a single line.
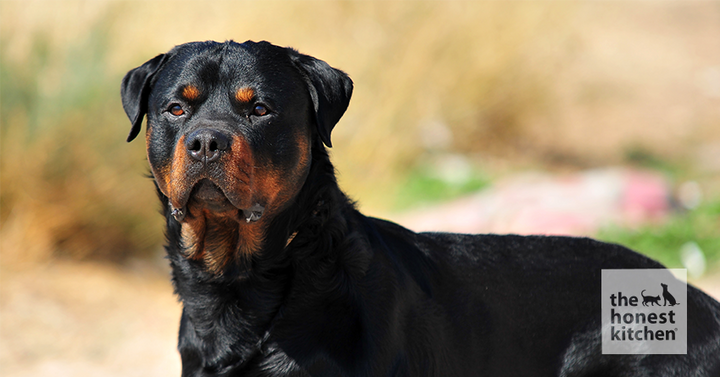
[(177, 110), (260, 110)]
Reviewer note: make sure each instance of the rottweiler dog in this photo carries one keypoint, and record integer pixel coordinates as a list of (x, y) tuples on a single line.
[(280, 275)]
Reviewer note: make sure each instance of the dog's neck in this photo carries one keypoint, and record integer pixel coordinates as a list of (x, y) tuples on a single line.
[(218, 241)]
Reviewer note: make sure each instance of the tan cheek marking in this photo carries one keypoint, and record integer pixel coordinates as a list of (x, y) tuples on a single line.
[(190, 92), (147, 138), (279, 187), (269, 184), (175, 178), (304, 147), (238, 168), (244, 95), (162, 172), (162, 178)]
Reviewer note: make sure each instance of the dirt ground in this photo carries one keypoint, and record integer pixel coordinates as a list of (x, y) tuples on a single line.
[(88, 319)]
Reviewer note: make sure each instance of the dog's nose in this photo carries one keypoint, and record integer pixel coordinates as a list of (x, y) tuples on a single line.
[(206, 144)]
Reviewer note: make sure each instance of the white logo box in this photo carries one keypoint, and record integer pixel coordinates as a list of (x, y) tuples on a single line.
[(644, 311)]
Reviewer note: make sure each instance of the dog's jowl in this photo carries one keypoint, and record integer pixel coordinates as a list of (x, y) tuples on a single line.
[(280, 275)]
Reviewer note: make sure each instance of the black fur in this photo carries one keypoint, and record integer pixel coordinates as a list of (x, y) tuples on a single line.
[(352, 295), (328, 87)]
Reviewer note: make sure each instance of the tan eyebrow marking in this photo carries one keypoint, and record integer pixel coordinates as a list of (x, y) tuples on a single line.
[(244, 95), (190, 92)]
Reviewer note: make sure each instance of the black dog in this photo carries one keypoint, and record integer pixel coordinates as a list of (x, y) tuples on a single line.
[(279, 275)]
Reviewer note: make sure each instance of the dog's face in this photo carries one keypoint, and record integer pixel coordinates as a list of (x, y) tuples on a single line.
[(230, 126), (226, 131)]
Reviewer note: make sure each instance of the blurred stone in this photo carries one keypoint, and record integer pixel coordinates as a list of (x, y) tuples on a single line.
[(693, 258), (707, 157), (435, 134), (690, 194)]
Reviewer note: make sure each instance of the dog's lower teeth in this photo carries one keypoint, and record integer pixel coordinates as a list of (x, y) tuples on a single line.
[(178, 214), (254, 213)]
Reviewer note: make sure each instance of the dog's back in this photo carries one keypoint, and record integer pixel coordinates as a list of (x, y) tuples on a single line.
[(533, 303)]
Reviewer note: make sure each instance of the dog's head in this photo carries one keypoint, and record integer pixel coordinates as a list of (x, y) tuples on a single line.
[(230, 127)]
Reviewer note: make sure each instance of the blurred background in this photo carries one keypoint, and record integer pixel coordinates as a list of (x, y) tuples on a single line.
[(598, 119)]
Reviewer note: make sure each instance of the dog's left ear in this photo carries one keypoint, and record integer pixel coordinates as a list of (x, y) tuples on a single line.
[(135, 91), (330, 90)]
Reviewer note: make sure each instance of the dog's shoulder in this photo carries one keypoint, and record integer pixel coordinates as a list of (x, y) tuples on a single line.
[(534, 250)]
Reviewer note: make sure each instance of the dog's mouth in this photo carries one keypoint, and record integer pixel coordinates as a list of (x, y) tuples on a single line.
[(207, 196)]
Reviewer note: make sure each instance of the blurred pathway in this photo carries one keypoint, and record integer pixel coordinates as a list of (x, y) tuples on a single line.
[(87, 319), (534, 203)]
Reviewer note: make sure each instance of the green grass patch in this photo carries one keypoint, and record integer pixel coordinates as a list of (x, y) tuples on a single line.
[(663, 242), (431, 184)]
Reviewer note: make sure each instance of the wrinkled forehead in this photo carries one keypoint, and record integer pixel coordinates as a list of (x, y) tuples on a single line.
[(214, 65)]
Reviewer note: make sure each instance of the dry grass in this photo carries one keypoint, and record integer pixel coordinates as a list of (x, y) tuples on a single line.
[(87, 319), (69, 186), (79, 190)]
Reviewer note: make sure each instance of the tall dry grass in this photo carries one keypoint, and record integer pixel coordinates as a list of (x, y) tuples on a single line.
[(69, 186), (461, 75)]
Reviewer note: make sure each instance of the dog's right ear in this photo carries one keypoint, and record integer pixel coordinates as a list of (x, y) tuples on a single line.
[(135, 91)]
